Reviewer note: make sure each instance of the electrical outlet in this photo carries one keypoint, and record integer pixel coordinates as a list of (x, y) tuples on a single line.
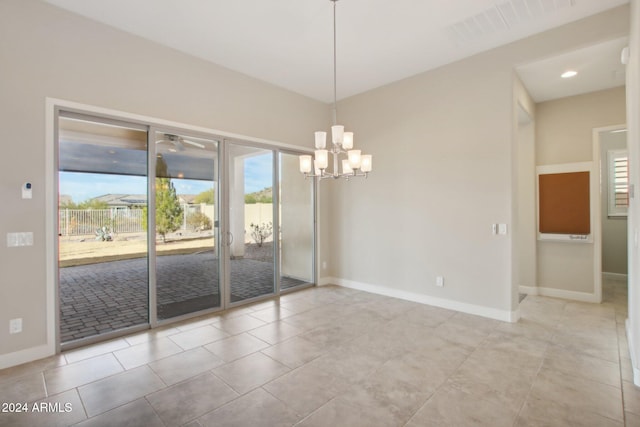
[(15, 326), (324, 265), (440, 281)]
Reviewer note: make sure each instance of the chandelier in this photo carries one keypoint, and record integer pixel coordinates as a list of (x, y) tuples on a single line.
[(356, 163)]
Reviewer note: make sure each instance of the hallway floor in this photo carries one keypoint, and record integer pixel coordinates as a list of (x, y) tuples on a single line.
[(331, 356)]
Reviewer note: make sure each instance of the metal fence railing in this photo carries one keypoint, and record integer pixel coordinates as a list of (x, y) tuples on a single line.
[(82, 222), (74, 222)]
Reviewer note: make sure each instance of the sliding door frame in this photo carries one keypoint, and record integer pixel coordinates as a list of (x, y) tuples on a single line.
[(73, 113), (153, 285), (53, 108), (226, 215), (314, 222)]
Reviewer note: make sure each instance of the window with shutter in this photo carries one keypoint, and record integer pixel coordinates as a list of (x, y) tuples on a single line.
[(618, 162)]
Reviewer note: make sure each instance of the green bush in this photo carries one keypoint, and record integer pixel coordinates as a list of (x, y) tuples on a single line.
[(198, 221)]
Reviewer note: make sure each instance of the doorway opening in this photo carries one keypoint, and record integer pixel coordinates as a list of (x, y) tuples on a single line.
[(614, 201)]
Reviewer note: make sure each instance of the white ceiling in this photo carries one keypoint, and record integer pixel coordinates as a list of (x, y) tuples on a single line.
[(289, 42), (598, 68)]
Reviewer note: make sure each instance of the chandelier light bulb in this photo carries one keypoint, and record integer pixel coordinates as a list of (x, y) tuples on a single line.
[(337, 132), (322, 159), (345, 167), (366, 164), (321, 140), (354, 159), (347, 141), (305, 164)]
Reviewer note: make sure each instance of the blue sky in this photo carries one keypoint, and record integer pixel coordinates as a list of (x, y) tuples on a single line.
[(83, 186)]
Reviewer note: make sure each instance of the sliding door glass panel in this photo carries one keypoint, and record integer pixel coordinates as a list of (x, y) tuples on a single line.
[(102, 257), (187, 262), (251, 224), (296, 224)]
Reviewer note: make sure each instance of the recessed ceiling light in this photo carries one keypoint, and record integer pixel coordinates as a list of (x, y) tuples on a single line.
[(568, 74)]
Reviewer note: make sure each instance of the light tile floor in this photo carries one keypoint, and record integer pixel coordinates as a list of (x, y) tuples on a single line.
[(333, 356)]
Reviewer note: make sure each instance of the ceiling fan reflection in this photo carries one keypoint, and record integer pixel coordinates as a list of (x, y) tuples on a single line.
[(178, 142)]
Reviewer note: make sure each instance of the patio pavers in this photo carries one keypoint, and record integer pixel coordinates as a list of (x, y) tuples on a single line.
[(104, 297)]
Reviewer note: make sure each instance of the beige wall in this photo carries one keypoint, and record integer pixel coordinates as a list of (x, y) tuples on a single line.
[(47, 52), (614, 229), (524, 187), (442, 169), (442, 145), (564, 126), (633, 144), (564, 134)]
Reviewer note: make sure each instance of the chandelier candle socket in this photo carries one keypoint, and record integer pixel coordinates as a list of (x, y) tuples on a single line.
[(356, 163)]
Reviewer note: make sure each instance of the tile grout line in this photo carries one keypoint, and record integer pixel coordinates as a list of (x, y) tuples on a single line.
[(451, 374), (535, 377)]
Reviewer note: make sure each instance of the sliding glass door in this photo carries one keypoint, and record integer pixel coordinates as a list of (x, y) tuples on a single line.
[(296, 213), (186, 218), (102, 245), (250, 243), (151, 228)]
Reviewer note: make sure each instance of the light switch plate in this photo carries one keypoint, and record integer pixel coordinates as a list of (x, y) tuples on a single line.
[(20, 239), (502, 228), (15, 326)]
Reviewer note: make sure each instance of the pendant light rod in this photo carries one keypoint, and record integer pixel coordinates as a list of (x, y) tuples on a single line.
[(335, 72)]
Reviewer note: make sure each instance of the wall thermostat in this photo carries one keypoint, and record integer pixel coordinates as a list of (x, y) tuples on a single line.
[(27, 191)]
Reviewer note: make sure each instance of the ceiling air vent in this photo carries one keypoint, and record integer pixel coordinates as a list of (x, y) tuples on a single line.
[(503, 16)]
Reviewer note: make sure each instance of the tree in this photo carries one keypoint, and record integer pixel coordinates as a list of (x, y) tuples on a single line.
[(207, 197), (168, 209)]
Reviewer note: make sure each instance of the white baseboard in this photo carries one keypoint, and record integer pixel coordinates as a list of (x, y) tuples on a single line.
[(614, 276), (559, 293), (27, 355), (323, 281), (632, 354), (529, 290), (478, 310)]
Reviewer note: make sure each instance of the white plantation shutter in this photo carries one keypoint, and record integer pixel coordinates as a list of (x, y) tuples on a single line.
[(618, 182)]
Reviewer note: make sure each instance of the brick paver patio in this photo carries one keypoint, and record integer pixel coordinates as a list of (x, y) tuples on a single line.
[(104, 297)]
